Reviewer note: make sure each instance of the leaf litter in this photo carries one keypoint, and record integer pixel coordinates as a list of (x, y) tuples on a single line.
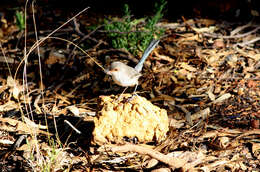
[(206, 79)]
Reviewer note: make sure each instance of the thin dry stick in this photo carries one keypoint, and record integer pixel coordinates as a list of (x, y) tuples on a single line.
[(247, 133), (25, 84), (171, 161), (25, 59), (233, 36), (240, 28), (38, 50), (247, 42), (40, 68), (74, 128), (37, 43), (80, 50), (3, 52)]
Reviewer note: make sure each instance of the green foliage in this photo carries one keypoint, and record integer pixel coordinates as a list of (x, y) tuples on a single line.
[(20, 20), (134, 35)]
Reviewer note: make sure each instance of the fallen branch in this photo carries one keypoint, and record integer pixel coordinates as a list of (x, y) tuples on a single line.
[(171, 161)]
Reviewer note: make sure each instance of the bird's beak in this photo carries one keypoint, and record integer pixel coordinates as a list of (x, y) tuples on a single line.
[(108, 72)]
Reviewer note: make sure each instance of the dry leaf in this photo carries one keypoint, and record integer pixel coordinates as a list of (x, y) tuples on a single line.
[(162, 170), (188, 67), (151, 163), (223, 142), (201, 114), (208, 134), (10, 105), (32, 124), (74, 110), (222, 98), (38, 109), (3, 88), (211, 95), (256, 148), (16, 88), (210, 29), (19, 126)]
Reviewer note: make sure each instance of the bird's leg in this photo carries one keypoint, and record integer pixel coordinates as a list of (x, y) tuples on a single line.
[(118, 99), (133, 94)]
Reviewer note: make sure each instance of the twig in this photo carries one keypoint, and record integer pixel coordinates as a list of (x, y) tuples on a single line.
[(231, 36), (230, 78), (187, 114), (247, 133), (171, 161), (74, 128), (115, 31), (76, 25), (240, 28), (39, 42), (247, 42)]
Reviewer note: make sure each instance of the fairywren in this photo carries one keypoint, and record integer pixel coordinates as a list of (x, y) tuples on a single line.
[(127, 76)]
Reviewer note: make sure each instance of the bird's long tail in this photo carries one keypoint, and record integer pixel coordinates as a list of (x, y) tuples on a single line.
[(147, 51)]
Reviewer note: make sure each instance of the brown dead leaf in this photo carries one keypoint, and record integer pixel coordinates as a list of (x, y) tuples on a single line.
[(188, 67), (209, 134), (255, 123), (223, 142), (163, 57), (38, 109), (218, 43), (151, 163), (212, 97), (32, 124), (256, 149), (16, 88), (3, 88), (55, 57), (192, 158), (210, 29), (207, 22), (188, 37), (201, 114), (62, 98), (74, 110), (183, 74), (232, 60), (13, 125), (252, 84), (10, 105), (222, 98), (162, 170), (256, 57)]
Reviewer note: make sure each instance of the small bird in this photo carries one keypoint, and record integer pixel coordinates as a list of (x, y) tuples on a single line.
[(127, 76)]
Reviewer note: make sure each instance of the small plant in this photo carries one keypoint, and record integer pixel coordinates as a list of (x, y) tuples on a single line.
[(20, 20), (134, 35)]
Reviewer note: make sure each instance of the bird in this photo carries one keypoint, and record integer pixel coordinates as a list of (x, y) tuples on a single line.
[(127, 76)]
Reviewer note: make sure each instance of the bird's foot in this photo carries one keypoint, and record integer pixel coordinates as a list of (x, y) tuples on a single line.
[(129, 99)]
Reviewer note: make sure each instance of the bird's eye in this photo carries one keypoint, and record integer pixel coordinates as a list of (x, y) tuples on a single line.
[(115, 69)]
